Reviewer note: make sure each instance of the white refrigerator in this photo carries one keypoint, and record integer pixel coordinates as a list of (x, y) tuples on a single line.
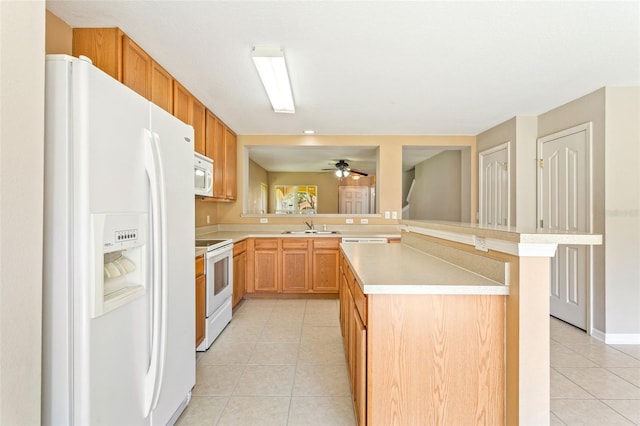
[(118, 277)]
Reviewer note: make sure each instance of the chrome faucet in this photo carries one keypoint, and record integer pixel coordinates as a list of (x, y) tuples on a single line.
[(309, 225)]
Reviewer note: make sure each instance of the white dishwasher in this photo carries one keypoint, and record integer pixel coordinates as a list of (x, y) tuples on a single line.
[(364, 240)]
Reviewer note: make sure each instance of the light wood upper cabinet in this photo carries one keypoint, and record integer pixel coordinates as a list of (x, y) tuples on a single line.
[(103, 46), (221, 147), (119, 56), (182, 103), (199, 125), (230, 168), (136, 68), (161, 87)]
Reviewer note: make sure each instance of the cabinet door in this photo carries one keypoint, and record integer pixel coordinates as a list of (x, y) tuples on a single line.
[(239, 276), (182, 103), (200, 307), (199, 113), (136, 68), (230, 160), (359, 377), (266, 270), (161, 87), (214, 149), (103, 46), (326, 265), (295, 271)]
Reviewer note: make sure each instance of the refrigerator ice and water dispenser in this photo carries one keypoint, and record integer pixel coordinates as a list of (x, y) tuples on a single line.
[(119, 260)]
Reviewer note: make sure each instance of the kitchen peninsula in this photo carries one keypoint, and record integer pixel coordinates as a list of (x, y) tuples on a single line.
[(452, 326)]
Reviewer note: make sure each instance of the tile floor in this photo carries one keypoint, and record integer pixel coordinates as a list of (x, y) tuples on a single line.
[(592, 383), (281, 362)]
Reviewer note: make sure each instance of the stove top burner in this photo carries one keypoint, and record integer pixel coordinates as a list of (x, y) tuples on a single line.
[(212, 245), (207, 243)]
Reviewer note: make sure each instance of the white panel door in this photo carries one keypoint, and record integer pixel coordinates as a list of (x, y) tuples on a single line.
[(354, 199), (494, 184), (565, 206)]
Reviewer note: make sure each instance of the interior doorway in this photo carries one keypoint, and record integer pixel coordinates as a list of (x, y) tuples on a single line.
[(495, 186), (565, 204)]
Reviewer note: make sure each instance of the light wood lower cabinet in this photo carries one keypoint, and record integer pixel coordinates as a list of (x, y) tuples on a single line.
[(423, 359), (201, 299), (293, 265), (263, 265), (239, 271), (325, 262)]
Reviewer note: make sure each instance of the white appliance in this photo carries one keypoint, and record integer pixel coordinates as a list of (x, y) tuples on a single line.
[(364, 240), (203, 175), (219, 288), (118, 280)]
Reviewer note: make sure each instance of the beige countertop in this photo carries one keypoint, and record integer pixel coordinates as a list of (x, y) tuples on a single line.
[(505, 233), (241, 235), (401, 269)]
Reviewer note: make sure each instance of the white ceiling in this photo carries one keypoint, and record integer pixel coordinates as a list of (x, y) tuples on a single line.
[(382, 67)]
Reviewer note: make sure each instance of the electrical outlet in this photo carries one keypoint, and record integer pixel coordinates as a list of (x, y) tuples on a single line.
[(264, 220), (208, 219), (387, 215), (364, 221), (349, 221), (480, 243), (394, 215)]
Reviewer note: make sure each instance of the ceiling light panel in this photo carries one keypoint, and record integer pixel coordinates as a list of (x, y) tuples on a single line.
[(271, 66)]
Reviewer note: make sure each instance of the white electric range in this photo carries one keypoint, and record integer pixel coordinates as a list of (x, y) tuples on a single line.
[(219, 287)]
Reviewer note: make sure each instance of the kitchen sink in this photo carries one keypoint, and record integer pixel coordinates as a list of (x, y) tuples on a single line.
[(311, 232)]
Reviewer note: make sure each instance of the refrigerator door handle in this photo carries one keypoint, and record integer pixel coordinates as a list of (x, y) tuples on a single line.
[(155, 172)]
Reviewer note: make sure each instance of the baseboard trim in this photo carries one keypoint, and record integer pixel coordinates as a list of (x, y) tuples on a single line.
[(616, 338)]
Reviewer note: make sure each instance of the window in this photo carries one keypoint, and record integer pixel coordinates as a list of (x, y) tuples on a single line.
[(296, 199)]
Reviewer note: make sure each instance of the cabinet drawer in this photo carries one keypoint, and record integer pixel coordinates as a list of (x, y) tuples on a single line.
[(359, 299), (266, 244), (239, 247), (326, 243), (295, 243), (199, 265)]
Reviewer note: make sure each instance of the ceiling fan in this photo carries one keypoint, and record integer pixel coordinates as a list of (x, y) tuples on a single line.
[(342, 169)]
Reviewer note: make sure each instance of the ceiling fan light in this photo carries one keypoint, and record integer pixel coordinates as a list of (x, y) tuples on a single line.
[(339, 173), (271, 66)]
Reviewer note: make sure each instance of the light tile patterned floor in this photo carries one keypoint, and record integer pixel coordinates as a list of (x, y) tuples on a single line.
[(281, 362), (592, 383)]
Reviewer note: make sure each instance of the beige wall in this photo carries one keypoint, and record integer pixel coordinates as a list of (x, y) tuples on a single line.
[(257, 176), (589, 108), (22, 32), (389, 176), (431, 198), (622, 211), (59, 35)]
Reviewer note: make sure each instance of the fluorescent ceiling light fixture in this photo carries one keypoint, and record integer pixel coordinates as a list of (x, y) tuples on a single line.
[(309, 132), (273, 72)]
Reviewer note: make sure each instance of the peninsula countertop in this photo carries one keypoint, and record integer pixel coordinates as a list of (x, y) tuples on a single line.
[(401, 269)]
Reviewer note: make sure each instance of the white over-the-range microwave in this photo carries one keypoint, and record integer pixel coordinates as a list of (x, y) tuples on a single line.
[(203, 175)]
